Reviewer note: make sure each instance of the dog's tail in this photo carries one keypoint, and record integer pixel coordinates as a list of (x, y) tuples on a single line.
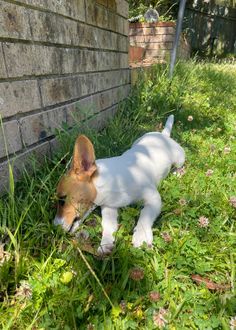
[(168, 126)]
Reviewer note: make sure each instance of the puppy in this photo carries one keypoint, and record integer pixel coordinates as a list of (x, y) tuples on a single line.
[(116, 182)]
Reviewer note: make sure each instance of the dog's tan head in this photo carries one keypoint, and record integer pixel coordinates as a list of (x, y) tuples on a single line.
[(76, 191)]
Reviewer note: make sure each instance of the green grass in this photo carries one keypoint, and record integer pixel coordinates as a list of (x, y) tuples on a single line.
[(47, 283)]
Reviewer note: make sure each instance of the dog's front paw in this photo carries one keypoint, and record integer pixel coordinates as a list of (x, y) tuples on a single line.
[(142, 235), (105, 249)]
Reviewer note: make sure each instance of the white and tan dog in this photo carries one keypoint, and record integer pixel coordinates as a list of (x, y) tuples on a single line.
[(116, 182)]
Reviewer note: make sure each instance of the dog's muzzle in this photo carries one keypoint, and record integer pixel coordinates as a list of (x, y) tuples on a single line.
[(61, 222), (76, 223)]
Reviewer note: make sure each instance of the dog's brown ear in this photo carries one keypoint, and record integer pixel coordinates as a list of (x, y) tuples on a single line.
[(83, 161)]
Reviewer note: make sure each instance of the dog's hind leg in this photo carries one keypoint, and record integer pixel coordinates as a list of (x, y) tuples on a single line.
[(109, 227), (152, 208)]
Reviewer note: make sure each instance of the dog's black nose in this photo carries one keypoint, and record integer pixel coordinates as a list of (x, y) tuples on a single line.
[(75, 225)]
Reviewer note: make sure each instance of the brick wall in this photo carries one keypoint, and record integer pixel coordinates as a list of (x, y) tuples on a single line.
[(57, 59), (154, 41)]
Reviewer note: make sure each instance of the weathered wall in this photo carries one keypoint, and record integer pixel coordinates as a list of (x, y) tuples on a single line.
[(211, 27), (58, 58), (156, 40)]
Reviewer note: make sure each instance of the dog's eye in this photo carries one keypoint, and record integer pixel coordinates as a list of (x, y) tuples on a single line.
[(62, 200)]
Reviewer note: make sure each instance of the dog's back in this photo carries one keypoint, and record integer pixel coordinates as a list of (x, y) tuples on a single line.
[(123, 179)]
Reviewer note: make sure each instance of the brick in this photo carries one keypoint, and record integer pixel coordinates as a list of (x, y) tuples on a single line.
[(34, 128), (146, 39), (52, 28), (3, 72), (100, 61), (4, 177), (126, 27), (10, 133), (70, 8), (109, 61), (80, 110), (22, 162), (124, 61), (120, 25), (89, 35), (102, 100), (96, 14), (137, 39), (155, 45), (64, 89), (32, 60), (151, 31), (102, 39), (140, 71), (148, 25), (101, 17), (106, 100), (99, 121), (56, 118), (83, 109), (59, 60), (112, 5), (151, 39), (42, 125), (93, 104), (112, 21), (18, 97), (160, 53), (168, 37), (102, 2), (125, 92), (14, 21), (48, 27), (120, 93), (55, 145), (119, 43), (122, 8), (59, 90), (116, 44), (90, 6), (89, 61)]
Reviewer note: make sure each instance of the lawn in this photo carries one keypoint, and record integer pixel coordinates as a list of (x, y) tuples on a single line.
[(51, 280)]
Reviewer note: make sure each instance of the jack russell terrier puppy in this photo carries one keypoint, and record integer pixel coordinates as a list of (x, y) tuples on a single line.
[(116, 182)]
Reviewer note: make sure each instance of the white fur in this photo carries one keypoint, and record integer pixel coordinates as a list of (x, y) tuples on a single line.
[(132, 177), (58, 221)]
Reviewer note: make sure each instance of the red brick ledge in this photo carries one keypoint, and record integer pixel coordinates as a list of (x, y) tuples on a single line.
[(158, 24)]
